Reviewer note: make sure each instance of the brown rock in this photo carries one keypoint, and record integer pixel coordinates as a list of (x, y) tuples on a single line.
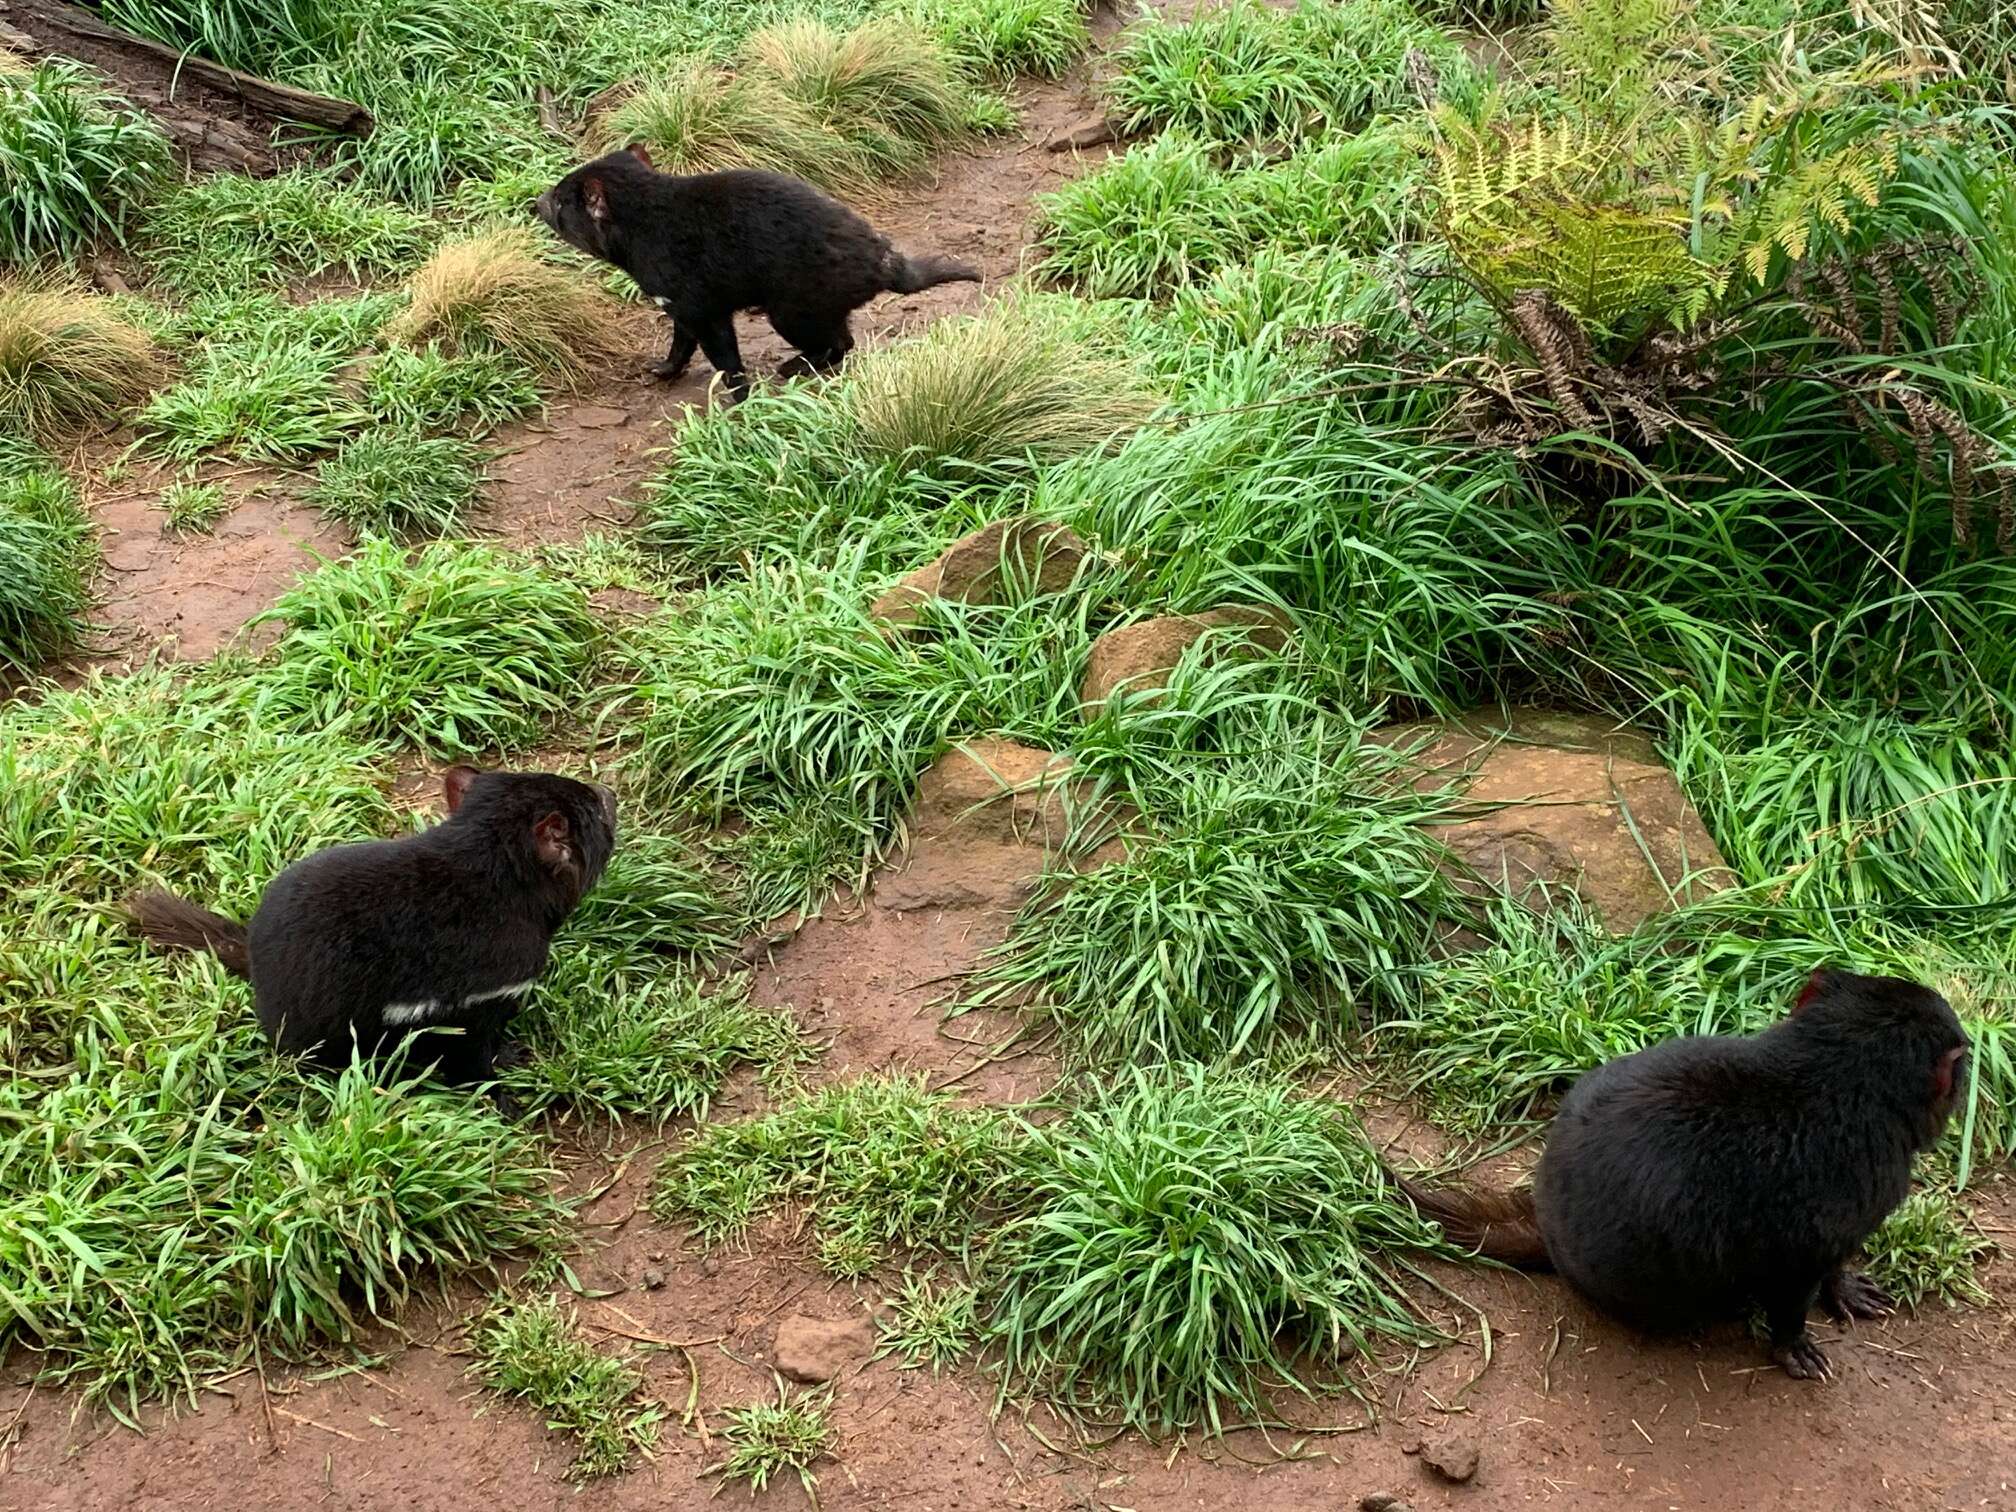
[(654, 1278), (1454, 1458), (1140, 656), (986, 817), (814, 1350), (596, 417), (1086, 131), (1384, 1501), (1591, 808), (1046, 556)]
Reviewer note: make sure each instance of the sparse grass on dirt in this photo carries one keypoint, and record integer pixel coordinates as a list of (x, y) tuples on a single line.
[(69, 362), (1929, 1249), (400, 482), (74, 160), (527, 1347), (494, 293), (880, 1162), (450, 648)]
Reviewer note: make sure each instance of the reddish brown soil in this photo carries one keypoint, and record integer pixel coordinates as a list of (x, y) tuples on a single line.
[(1570, 1412)]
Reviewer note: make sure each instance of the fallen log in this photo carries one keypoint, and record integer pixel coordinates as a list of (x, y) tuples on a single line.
[(218, 116)]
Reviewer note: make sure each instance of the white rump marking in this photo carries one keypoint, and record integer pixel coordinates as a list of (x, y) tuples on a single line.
[(408, 1013), (420, 1013)]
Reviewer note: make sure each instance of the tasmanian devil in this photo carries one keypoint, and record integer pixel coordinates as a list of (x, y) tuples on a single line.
[(444, 930), (1695, 1179), (703, 246)]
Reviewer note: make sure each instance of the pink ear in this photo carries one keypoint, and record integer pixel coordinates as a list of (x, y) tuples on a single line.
[(455, 784), (1944, 1071), (596, 197), (1811, 990), (642, 153), (553, 839)]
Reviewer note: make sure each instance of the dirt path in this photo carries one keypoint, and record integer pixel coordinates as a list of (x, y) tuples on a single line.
[(1570, 1413)]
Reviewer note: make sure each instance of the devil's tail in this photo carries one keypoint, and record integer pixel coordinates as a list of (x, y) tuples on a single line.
[(172, 924), (1498, 1226)]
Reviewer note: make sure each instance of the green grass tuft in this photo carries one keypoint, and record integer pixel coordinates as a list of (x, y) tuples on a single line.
[(451, 648), (227, 230), (74, 161), (46, 551), (399, 482), (428, 390), (1929, 1248), (267, 399), (765, 1439), (931, 1323), (1187, 1240), (529, 1348), (189, 508), (999, 39)]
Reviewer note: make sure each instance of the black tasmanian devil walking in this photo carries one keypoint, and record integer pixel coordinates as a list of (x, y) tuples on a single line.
[(444, 930), (1686, 1183), (704, 245)]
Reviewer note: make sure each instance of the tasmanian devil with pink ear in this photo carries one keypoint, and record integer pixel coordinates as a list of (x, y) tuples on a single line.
[(434, 936)]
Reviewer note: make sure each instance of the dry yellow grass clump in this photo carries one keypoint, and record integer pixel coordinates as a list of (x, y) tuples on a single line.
[(69, 362), (495, 293), (1025, 380), (843, 110)]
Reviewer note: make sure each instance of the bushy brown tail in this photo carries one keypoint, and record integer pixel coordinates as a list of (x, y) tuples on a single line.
[(913, 275), (1499, 1226), (170, 923)]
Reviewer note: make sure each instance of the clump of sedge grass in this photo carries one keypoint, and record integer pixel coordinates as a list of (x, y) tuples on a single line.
[(529, 1348), (400, 482), (765, 1439), (69, 361), (999, 39), (881, 1163), (494, 293), (1243, 72), (73, 160), (189, 508), (45, 554), (697, 118), (1929, 1248), (451, 648), (230, 230), (1186, 1239), (427, 389), (1023, 383), (931, 1323), (1285, 891), (885, 88)]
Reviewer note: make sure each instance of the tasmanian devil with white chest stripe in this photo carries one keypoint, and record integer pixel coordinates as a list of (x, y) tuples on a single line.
[(445, 930)]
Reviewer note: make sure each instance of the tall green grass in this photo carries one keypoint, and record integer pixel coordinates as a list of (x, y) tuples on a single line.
[(74, 161), (46, 550)]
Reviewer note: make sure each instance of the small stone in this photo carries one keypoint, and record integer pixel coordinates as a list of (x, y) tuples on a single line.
[(1087, 131), (1139, 657), (1385, 1501), (656, 1256), (1454, 1459), (597, 417), (1046, 556), (654, 1278), (814, 1350)]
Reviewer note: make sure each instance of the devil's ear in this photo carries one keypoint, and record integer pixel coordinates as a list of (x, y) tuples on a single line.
[(642, 153), (554, 840), (455, 784), (1815, 985), (595, 195), (1945, 1071)]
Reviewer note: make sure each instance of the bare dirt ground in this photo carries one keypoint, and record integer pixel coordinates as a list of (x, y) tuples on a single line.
[(1568, 1411)]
